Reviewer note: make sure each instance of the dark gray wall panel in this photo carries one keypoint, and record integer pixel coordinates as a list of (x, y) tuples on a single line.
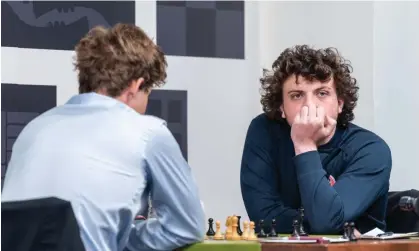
[(58, 25), (213, 29)]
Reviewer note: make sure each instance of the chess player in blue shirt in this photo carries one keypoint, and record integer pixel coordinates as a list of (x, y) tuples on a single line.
[(304, 151), (100, 153)]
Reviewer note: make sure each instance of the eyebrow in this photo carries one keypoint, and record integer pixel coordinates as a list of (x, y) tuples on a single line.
[(289, 92), (318, 89), (324, 87)]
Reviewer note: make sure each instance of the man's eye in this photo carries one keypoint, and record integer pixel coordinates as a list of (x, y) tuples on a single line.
[(322, 94), (295, 96)]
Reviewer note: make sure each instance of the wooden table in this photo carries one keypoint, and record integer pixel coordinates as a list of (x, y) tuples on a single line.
[(361, 245)]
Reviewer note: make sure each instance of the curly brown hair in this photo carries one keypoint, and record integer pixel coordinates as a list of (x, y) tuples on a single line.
[(110, 59), (312, 64)]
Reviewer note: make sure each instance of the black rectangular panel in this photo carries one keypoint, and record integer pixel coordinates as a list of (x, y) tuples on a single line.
[(200, 32), (58, 25), (213, 29)]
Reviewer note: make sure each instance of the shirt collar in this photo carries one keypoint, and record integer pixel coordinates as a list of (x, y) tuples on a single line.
[(94, 98), (91, 97)]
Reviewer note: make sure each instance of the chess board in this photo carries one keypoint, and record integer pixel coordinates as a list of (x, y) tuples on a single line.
[(225, 245)]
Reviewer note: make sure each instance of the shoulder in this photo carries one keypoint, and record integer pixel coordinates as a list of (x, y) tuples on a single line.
[(259, 129), (37, 123), (159, 139), (264, 131), (263, 124), (152, 125), (152, 134), (151, 121), (260, 120), (356, 137), (358, 141), (142, 128)]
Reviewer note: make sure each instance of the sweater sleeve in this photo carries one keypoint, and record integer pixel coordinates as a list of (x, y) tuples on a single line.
[(258, 180), (365, 179)]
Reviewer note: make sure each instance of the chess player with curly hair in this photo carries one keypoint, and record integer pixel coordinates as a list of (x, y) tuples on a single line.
[(304, 151), (99, 151)]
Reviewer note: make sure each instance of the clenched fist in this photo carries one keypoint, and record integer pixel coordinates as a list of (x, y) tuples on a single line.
[(310, 128)]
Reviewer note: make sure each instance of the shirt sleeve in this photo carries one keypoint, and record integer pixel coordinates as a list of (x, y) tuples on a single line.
[(180, 218), (366, 178), (259, 180)]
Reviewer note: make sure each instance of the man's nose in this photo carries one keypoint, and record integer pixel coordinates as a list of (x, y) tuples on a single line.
[(309, 100)]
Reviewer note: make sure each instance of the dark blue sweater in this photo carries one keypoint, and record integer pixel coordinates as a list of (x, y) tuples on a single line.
[(275, 182)]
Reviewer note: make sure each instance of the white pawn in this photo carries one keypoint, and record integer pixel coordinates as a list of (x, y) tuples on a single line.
[(218, 235), (245, 234)]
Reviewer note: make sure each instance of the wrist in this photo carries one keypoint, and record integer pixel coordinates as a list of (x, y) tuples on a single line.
[(301, 148)]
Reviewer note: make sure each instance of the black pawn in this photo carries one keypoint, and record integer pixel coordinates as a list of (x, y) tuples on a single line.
[(239, 231), (346, 231), (262, 233), (210, 231), (296, 232), (301, 230), (351, 231), (273, 232)]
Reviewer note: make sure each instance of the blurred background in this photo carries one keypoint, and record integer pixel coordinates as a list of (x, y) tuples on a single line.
[(216, 51)]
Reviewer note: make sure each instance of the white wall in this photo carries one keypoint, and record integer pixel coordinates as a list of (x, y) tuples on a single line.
[(381, 39), (396, 86)]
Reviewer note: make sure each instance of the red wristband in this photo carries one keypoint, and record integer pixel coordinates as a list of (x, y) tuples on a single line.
[(140, 217)]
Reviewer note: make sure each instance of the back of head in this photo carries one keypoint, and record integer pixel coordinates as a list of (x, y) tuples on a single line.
[(109, 60)]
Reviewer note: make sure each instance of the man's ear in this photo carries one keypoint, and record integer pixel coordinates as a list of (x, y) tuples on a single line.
[(135, 86), (281, 108), (340, 105)]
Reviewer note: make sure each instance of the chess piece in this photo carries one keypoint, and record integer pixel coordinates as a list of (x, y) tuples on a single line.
[(252, 234), (273, 232), (229, 231), (351, 233), (210, 231), (239, 231), (301, 230), (246, 231), (346, 231), (218, 235), (235, 235), (262, 233), (296, 232)]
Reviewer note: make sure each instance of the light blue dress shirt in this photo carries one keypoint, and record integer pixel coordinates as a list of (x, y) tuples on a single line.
[(105, 158)]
